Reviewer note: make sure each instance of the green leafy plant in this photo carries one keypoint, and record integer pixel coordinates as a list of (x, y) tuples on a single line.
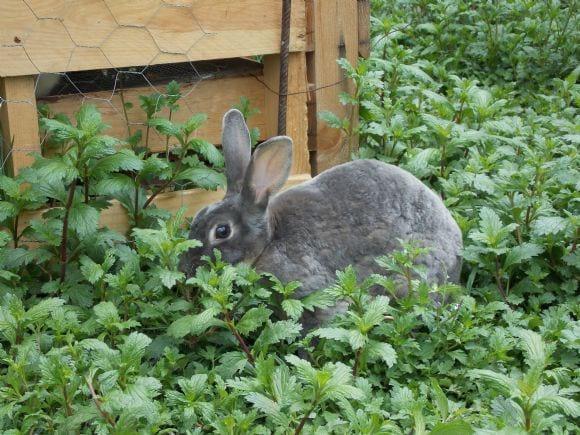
[(100, 332)]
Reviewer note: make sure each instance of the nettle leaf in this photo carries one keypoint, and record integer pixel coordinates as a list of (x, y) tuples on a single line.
[(440, 399), (205, 178), (284, 330), (59, 130), (498, 381), (165, 127), (56, 170), (357, 340), (266, 405), (114, 184), (332, 120), (293, 308), (10, 186), (22, 257), (559, 404), (83, 219), (338, 334), (533, 346), (416, 72), (209, 152), (43, 309), (92, 271), (381, 350), (7, 210), (456, 427), (375, 312), (134, 347), (547, 225), (253, 319), (520, 253), (194, 123), (170, 278), (106, 313), (194, 324), (484, 183), (318, 299), (493, 233), (123, 160), (89, 119)]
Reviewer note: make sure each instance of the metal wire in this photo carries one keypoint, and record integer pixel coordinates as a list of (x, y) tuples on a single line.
[(284, 55)]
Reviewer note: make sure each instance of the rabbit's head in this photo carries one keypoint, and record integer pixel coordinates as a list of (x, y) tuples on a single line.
[(240, 226)]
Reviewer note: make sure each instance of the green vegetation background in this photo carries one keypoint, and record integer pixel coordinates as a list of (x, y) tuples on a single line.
[(100, 332)]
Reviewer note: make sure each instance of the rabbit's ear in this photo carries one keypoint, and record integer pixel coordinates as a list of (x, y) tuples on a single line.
[(268, 170), (237, 149)]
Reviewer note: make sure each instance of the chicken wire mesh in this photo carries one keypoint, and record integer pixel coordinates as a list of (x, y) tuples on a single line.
[(144, 33)]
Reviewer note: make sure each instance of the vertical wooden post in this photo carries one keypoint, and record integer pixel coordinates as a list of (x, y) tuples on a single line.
[(296, 116), (364, 28), (335, 36), (19, 121)]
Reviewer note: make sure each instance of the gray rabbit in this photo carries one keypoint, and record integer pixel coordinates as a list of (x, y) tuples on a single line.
[(348, 215)]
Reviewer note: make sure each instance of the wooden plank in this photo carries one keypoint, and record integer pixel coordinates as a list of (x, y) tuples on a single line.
[(87, 35), (19, 121), (364, 28), (310, 24), (296, 116), (212, 97), (335, 37), (115, 217)]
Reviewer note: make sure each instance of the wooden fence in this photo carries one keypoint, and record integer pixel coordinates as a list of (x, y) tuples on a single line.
[(58, 36)]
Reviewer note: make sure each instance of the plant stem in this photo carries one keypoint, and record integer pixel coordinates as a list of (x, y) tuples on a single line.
[(167, 182), (68, 205), (86, 184), (15, 236), (157, 192), (98, 404), (356, 362), (167, 138), (67, 406), (137, 212), (303, 421), (122, 95), (443, 158), (240, 339), (147, 136), (498, 281)]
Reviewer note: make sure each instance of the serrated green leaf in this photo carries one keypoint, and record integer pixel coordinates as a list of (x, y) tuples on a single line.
[(253, 319), (83, 219), (293, 308), (520, 253), (456, 427)]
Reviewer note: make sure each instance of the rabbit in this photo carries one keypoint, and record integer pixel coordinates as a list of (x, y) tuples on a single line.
[(347, 215)]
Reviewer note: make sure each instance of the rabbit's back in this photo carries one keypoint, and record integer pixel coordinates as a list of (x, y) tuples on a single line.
[(352, 214)]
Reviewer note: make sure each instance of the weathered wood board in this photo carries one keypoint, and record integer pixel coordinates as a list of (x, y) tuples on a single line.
[(57, 36), (335, 36), (212, 97), (19, 123)]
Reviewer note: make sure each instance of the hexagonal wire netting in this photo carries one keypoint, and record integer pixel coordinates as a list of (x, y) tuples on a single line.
[(64, 21)]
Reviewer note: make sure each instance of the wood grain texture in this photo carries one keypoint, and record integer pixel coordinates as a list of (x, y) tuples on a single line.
[(212, 97), (335, 37), (115, 217), (364, 28), (296, 116), (92, 34), (19, 121)]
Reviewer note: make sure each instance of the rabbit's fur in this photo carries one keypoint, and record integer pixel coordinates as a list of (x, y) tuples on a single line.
[(348, 215)]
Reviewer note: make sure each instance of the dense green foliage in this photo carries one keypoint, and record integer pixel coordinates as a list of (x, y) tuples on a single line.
[(101, 333)]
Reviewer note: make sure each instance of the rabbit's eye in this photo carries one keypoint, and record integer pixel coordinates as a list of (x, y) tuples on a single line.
[(222, 231)]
